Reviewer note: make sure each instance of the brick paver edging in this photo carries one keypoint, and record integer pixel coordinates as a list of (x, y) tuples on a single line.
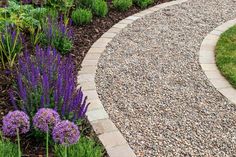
[(208, 64), (113, 141)]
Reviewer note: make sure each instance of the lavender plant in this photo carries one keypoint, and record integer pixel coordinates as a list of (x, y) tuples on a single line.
[(10, 45), (58, 35), (47, 80)]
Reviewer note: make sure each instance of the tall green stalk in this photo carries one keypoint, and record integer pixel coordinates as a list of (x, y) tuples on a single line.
[(65, 153), (18, 142), (47, 144)]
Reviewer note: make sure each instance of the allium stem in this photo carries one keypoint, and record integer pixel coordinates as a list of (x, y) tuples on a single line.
[(47, 144), (18, 142), (65, 153)]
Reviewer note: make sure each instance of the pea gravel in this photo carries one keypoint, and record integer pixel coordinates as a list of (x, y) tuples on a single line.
[(151, 84)]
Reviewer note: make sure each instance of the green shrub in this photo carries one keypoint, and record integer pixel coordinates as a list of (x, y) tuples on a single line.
[(100, 8), (81, 16), (84, 148), (7, 149), (122, 5), (143, 3)]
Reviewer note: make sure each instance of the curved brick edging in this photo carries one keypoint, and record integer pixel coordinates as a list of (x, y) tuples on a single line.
[(113, 141), (207, 61)]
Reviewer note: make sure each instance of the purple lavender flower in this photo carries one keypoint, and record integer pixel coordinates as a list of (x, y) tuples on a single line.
[(15, 120), (66, 133), (47, 80), (46, 119)]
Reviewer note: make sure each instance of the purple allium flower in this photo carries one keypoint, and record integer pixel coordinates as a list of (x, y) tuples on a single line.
[(46, 119), (66, 133), (15, 120)]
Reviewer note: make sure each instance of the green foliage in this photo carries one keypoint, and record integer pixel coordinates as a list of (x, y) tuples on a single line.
[(143, 3), (85, 3), (226, 55), (62, 44), (7, 149), (122, 5), (100, 8), (24, 16), (81, 16), (84, 148), (10, 45), (57, 35), (61, 5)]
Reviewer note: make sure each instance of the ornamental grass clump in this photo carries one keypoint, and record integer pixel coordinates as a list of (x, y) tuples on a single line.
[(10, 45), (47, 80), (66, 133), (14, 124), (44, 120)]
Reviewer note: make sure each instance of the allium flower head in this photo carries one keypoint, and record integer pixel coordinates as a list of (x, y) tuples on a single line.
[(66, 133), (45, 119), (15, 120)]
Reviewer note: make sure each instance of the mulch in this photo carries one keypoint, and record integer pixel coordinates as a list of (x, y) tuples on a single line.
[(84, 37)]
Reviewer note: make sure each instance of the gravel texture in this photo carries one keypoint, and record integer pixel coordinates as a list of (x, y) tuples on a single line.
[(151, 84)]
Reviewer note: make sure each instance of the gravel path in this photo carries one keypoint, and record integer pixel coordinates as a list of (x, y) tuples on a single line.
[(153, 88)]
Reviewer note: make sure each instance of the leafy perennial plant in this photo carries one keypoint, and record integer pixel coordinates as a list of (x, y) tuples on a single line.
[(57, 35)]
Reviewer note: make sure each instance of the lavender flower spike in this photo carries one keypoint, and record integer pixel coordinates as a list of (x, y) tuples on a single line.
[(66, 133), (13, 121)]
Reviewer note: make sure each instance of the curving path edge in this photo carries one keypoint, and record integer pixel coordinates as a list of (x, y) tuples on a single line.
[(113, 141), (208, 64)]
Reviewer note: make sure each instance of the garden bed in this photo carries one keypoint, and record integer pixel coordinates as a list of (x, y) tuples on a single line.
[(83, 37), (86, 35)]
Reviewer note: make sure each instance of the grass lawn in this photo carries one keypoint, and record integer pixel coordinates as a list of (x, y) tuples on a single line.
[(226, 55)]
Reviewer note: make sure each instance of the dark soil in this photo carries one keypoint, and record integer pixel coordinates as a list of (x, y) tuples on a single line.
[(84, 37)]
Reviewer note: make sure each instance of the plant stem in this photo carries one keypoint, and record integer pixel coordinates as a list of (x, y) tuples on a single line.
[(18, 142), (47, 144), (65, 155)]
